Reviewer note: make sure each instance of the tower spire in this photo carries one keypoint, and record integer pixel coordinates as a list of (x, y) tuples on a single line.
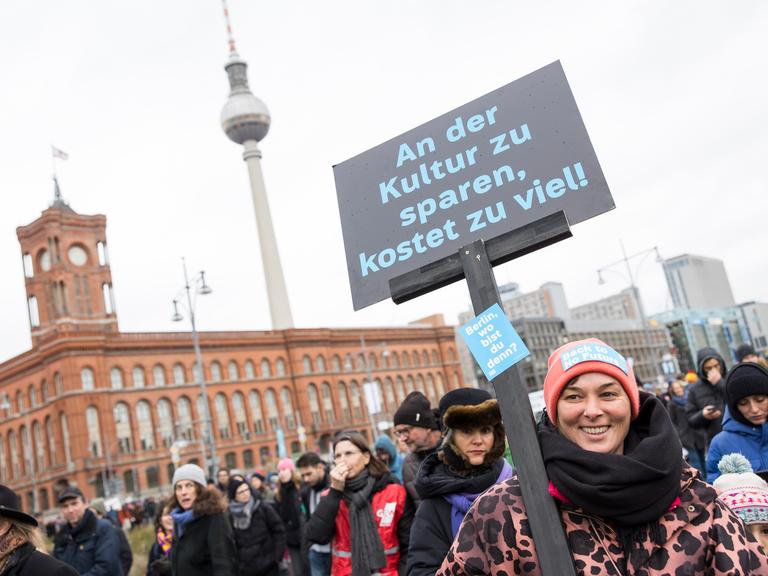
[(230, 37)]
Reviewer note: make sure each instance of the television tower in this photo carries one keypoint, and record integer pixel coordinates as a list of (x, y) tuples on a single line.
[(245, 120)]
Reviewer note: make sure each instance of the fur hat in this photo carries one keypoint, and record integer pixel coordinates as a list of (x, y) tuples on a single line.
[(191, 472), (580, 357), (746, 379), (469, 408), (742, 490), (415, 411)]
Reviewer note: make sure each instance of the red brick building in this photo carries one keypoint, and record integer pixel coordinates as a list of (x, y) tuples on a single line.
[(88, 403)]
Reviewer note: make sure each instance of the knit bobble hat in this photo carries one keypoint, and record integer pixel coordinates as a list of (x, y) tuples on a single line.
[(415, 411), (742, 490), (747, 379), (286, 464), (191, 472), (580, 357)]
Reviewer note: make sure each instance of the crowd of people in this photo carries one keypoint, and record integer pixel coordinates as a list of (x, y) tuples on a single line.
[(668, 483)]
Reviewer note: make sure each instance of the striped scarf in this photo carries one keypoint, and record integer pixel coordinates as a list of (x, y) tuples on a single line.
[(164, 540)]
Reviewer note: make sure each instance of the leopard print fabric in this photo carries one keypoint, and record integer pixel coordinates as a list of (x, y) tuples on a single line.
[(701, 536)]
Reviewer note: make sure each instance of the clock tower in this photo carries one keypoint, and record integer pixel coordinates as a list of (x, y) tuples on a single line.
[(67, 275)]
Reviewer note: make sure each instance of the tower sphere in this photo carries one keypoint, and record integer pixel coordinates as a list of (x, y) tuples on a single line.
[(243, 117)]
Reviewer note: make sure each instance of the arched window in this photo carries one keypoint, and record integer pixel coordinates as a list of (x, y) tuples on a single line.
[(215, 371), (204, 415), (238, 410), (65, 436), (385, 359), (197, 374), (264, 455), (280, 367), (53, 456), (58, 384), (158, 375), (257, 416), (232, 371), (306, 363), (400, 389), (354, 392), (13, 445), (415, 357), (222, 416), (335, 363), (27, 464), (3, 463), (420, 384), (32, 393), (409, 384), (37, 438), (431, 390), (86, 379), (122, 418), (179, 375), (361, 362), (250, 370), (146, 428), (405, 361), (165, 421), (452, 354), (389, 395), (184, 413), (373, 362), (425, 358), (314, 404), (287, 402), (343, 401), (325, 390), (456, 380), (440, 385), (266, 369), (272, 414), (348, 362), (138, 377), (116, 378), (394, 360), (320, 364), (248, 459), (435, 358), (20, 401), (94, 431)]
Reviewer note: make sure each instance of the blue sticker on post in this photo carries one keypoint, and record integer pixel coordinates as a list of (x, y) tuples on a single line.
[(493, 341)]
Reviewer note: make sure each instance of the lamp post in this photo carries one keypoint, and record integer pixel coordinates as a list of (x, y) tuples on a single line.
[(635, 291), (201, 287)]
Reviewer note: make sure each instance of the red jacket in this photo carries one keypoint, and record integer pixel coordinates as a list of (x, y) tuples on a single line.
[(393, 520)]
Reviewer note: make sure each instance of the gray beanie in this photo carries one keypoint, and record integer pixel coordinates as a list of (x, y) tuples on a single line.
[(189, 472)]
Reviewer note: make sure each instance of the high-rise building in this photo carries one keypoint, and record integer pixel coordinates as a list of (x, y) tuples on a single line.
[(621, 306), (756, 316), (698, 282)]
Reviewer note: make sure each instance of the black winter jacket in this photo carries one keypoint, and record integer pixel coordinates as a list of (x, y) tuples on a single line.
[(156, 566), (289, 508), (206, 547), (431, 534), (26, 561), (261, 546), (307, 490), (680, 420), (92, 547), (411, 465), (704, 394)]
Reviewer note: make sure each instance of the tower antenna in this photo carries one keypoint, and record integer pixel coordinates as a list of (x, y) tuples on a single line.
[(230, 37)]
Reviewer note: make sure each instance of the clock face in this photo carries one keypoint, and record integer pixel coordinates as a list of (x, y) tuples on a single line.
[(45, 260), (77, 255)]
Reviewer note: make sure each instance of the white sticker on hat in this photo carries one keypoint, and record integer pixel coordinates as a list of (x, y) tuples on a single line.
[(591, 352)]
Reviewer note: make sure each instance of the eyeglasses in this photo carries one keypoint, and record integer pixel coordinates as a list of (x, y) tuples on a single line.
[(245, 490), (404, 431)]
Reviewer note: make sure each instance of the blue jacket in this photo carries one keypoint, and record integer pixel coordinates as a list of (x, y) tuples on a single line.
[(750, 441), (396, 466), (92, 547)]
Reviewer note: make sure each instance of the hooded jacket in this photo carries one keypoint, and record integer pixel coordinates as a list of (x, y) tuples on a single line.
[(750, 441), (704, 394), (431, 532), (702, 536), (396, 466)]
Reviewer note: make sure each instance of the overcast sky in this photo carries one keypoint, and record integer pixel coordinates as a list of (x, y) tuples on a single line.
[(673, 95)]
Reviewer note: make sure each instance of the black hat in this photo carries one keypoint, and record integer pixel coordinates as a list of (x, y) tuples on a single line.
[(745, 379), (469, 406), (415, 411), (70, 492), (10, 507), (232, 487), (744, 350)]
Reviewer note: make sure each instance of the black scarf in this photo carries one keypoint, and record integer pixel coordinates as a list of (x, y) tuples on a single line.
[(633, 490), (367, 549), (436, 478)]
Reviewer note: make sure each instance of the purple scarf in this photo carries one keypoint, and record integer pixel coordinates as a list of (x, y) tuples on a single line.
[(462, 501)]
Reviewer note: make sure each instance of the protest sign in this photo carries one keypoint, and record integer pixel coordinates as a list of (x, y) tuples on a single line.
[(493, 342)]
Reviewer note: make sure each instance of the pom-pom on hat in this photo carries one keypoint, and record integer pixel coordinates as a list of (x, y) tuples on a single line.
[(580, 357), (742, 490)]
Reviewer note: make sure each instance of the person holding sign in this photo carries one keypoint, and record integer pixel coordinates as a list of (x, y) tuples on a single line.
[(628, 502), (469, 461), (365, 515)]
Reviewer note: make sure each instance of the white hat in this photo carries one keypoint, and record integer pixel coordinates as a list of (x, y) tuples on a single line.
[(189, 472), (742, 490)]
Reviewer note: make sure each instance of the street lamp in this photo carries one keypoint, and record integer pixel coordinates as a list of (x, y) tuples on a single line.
[(201, 287), (635, 291)]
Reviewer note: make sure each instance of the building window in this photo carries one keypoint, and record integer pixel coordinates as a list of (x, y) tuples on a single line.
[(285, 399), (53, 457), (3, 463), (272, 414), (29, 271), (431, 389), (425, 358), (248, 459), (146, 429), (215, 371), (153, 477), (116, 378), (280, 368), (232, 371), (409, 384), (389, 395), (361, 365), (348, 363), (395, 360), (222, 416), (101, 250), (19, 401), (32, 396), (320, 364), (230, 460), (335, 363), (250, 371), (178, 374), (204, 416), (238, 409), (184, 412), (158, 375), (65, 436), (123, 428), (440, 386), (138, 377), (266, 369), (325, 390), (307, 365), (343, 401), (165, 422), (314, 404), (12, 443), (94, 433), (109, 299), (58, 384), (197, 373), (34, 312), (264, 455), (254, 399), (86, 379), (356, 406), (37, 437)]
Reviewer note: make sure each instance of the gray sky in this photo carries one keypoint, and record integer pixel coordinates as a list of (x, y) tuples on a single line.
[(673, 95)]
